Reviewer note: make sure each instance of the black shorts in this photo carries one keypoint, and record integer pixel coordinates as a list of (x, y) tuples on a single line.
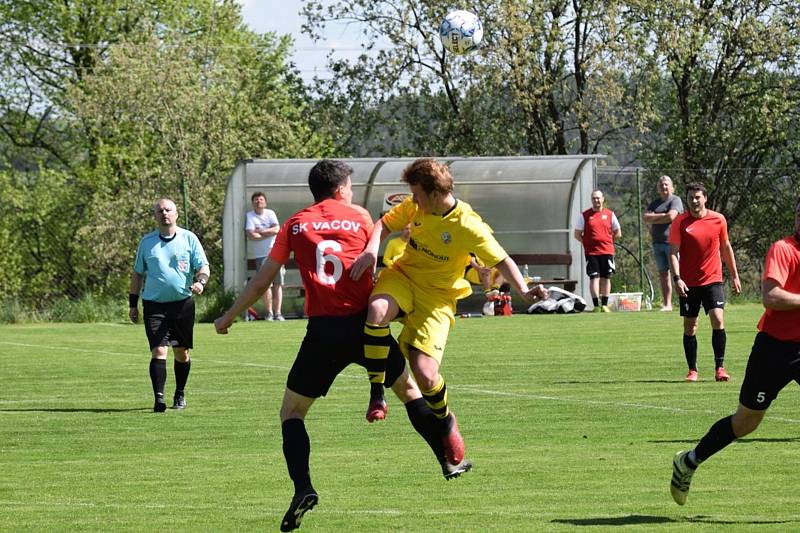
[(332, 343), (772, 365), (711, 296), (169, 323), (599, 266)]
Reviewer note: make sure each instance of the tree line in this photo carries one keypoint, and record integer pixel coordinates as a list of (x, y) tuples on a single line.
[(107, 105)]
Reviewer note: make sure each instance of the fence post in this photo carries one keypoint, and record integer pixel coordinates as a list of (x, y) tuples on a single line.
[(639, 224)]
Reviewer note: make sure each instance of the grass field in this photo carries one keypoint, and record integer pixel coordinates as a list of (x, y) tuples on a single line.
[(571, 421)]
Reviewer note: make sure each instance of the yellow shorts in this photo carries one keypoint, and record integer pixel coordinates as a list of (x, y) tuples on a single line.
[(429, 315)]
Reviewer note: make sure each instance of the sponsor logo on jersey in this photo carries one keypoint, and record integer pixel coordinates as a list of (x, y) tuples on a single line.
[(427, 251), (323, 225)]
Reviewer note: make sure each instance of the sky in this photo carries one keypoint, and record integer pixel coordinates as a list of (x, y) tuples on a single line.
[(282, 17)]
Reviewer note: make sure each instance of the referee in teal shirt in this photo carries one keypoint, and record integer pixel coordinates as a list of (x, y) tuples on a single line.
[(172, 265)]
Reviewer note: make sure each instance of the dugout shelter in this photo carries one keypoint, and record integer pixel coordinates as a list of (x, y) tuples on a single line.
[(531, 203)]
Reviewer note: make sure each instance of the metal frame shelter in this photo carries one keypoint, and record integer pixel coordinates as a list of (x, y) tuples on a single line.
[(531, 203)]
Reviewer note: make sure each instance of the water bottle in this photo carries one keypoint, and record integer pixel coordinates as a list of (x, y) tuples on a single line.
[(525, 275)]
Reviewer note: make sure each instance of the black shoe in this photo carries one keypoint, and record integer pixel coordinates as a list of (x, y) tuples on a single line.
[(160, 406), (178, 401), (301, 503), (451, 471)]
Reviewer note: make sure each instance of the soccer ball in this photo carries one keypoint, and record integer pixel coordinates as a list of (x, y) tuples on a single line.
[(461, 32)]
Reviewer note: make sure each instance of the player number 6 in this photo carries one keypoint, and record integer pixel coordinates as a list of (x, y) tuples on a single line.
[(323, 259)]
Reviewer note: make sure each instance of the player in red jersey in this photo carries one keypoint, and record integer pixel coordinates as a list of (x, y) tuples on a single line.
[(325, 238), (697, 238), (774, 360)]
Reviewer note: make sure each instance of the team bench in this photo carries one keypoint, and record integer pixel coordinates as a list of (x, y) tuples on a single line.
[(534, 260)]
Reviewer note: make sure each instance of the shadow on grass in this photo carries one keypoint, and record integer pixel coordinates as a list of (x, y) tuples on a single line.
[(614, 381), (636, 519), (737, 441), (74, 410)]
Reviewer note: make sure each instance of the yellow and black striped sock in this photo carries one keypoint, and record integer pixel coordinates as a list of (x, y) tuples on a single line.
[(377, 340), (436, 398)]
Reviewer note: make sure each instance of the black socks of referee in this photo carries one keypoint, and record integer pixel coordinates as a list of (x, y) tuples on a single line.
[(181, 375), (296, 451), (158, 375)]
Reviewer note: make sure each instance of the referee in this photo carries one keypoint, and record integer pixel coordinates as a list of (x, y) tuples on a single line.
[(172, 265)]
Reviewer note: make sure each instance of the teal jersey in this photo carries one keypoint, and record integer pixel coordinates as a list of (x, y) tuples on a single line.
[(169, 267)]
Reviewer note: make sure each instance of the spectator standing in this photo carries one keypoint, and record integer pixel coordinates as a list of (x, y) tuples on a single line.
[(596, 229), (172, 265), (774, 360), (262, 226), (660, 214), (697, 239)]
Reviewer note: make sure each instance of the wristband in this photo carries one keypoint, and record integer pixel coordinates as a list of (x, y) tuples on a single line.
[(675, 278), (133, 300)]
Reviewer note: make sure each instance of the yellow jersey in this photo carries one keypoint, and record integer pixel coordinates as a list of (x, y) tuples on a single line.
[(394, 249), (440, 245)]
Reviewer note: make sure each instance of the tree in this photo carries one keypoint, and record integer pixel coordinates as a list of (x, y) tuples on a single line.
[(552, 77)]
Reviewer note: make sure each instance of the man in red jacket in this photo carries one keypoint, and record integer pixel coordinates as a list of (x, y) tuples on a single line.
[(596, 229)]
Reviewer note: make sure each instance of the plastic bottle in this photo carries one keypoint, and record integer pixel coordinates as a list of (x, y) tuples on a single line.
[(525, 274), (471, 315)]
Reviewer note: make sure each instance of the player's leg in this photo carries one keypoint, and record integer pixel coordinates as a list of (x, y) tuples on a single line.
[(689, 309), (297, 451), (593, 271), (391, 294), (714, 304), (605, 290), (771, 366)]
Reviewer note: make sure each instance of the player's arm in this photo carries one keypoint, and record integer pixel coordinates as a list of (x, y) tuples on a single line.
[(675, 268), (773, 296), (133, 296), (257, 285), (510, 271), (368, 258), (726, 251), (578, 234)]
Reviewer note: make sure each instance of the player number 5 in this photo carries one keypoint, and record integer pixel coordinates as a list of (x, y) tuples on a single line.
[(761, 397), (324, 259)]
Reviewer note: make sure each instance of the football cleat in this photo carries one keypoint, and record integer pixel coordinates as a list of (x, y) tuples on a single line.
[(278, 318), (451, 471), (692, 375), (596, 309), (301, 504), (160, 405), (605, 309), (453, 444), (681, 478), (721, 375), (377, 410), (179, 401)]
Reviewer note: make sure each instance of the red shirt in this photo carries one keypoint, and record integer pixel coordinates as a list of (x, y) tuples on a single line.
[(783, 265), (698, 240), (326, 238), (598, 235)]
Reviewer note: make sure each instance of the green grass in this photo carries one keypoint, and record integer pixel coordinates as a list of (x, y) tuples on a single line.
[(571, 421)]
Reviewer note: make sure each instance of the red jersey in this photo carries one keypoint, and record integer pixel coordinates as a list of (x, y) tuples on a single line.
[(783, 265), (326, 238), (598, 233), (698, 240)]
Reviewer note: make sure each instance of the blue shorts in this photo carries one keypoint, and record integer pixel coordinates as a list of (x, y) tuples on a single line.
[(661, 254)]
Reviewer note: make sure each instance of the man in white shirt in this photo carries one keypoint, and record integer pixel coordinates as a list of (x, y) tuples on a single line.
[(261, 227)]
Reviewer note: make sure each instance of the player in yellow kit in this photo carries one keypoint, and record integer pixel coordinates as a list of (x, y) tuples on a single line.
[(422, 286)]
